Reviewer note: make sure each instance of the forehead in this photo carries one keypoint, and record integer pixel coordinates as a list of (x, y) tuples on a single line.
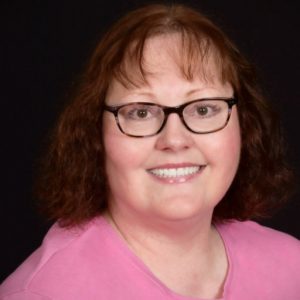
[(169, 53), (162, 75)]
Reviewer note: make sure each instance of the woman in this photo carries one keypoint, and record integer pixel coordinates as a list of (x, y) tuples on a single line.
[(155, 169)]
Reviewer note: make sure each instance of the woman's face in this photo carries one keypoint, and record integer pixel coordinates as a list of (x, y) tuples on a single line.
[(136, 192)]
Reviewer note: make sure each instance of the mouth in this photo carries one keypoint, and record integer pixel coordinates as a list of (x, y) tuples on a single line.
[(176, 174)]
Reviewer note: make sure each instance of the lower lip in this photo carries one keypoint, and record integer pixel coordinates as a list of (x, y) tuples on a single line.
[(178, 179)]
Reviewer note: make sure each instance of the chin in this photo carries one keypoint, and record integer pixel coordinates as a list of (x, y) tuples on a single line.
[(180, 211)]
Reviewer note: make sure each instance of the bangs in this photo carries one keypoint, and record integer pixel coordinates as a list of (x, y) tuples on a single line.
[(197, 55)]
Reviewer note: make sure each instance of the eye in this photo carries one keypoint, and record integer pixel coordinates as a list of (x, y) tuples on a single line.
[(204, 109), (208, 110), (139, 112), (142, 113)]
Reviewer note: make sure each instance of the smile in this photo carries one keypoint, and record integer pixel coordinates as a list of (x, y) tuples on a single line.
[(172, 174), (175, 172)]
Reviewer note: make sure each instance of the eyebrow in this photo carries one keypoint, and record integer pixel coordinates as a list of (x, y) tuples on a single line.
[(151, 95), (189, 93), (148, 94)]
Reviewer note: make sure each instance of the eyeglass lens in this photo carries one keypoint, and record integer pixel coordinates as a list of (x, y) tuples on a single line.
[(144, 119)]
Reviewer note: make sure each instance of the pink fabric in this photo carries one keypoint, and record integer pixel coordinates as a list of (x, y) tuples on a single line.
[(94, 263)]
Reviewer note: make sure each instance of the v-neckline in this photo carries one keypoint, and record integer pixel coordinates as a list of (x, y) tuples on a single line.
[(124, 249)]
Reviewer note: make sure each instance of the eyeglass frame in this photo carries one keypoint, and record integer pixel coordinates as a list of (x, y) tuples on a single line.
[(167, 110)]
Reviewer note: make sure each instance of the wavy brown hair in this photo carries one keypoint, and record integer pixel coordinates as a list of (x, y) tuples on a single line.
[(72, 184)]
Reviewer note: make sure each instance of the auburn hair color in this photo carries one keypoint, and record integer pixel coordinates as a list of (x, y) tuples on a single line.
[(72, 186)]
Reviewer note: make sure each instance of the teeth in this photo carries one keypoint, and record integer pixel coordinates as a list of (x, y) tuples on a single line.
[(175, 172)]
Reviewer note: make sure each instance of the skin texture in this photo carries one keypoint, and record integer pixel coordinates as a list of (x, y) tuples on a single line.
[(162, 219)]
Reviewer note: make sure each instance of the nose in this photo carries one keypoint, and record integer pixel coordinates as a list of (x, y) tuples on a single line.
[(174, 136)]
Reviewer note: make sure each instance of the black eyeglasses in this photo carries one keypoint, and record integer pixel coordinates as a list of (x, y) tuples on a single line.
[(145, 119)]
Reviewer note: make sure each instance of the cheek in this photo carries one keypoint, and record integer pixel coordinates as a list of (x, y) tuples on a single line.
[(122, 152), (120, 155), (222, 153), (230, 148), (224, 146), (125, 164)]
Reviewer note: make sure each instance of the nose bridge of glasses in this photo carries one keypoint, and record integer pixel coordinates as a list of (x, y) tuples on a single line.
[(173, 110)]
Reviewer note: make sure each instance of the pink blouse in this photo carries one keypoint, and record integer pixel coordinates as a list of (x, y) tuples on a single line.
[(93, 263)]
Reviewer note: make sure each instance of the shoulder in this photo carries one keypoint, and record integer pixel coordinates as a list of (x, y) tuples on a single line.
[(258, 254), (251, 233), (63, 252)]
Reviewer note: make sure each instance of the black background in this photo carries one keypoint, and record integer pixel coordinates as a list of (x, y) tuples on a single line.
[(44, 46)]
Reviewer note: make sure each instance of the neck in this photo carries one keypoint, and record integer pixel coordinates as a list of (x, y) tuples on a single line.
[(188, 256), (161, 236)]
